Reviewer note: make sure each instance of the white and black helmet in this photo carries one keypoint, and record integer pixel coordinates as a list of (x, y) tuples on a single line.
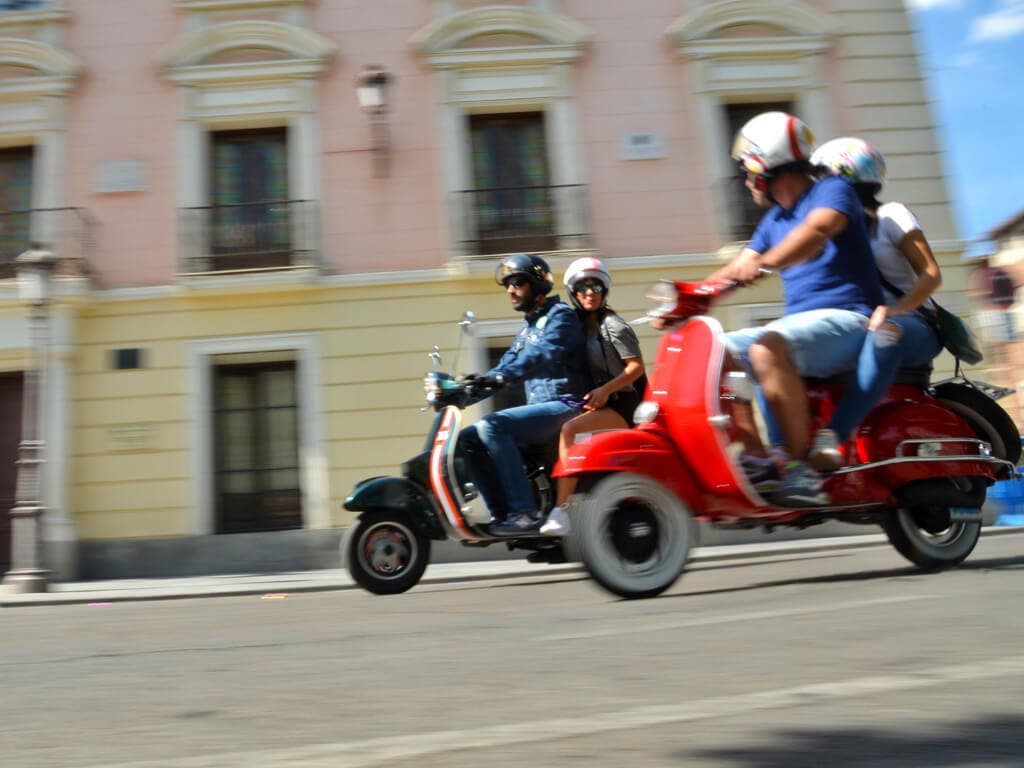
[(586, 268)]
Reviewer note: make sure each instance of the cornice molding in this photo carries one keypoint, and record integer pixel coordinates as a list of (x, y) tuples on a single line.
[(704, 24), (51, 61), (294, 42), (441, 41)]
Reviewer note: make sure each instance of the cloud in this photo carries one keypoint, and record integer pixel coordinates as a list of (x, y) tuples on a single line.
[(927, 5), (1001, 24)]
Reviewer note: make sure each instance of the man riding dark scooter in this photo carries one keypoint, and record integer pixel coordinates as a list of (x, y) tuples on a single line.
[(548, 356)]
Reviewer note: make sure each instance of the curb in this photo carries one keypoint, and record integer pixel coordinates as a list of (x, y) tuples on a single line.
[(280, 585)]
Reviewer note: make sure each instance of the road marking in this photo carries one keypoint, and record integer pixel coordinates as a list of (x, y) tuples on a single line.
[(707, 621), (393, 749)]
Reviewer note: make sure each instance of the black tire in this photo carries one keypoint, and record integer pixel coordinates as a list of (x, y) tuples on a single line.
[(927, 539), (632, 534), (384, 553), (988, 420)]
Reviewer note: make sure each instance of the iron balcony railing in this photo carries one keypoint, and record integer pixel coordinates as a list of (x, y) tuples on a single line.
[(514, 219), (68, 232), (272, 234)]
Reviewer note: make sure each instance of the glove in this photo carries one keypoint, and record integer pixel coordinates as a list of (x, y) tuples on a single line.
[(481, 381)]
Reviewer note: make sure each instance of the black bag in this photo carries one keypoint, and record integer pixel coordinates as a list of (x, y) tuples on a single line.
[(954, 334)]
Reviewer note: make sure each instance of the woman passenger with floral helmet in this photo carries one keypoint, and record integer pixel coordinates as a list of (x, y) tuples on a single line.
[(900, 333), (616, 366)]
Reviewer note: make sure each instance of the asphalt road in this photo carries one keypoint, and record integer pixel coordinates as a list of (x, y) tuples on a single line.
[(845, 658)]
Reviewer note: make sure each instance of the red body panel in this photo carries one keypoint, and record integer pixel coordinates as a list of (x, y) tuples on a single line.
[(642, 451)]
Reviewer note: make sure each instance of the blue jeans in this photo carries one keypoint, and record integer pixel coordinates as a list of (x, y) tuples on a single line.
[(880, 359), (493, 448), (821, 342)]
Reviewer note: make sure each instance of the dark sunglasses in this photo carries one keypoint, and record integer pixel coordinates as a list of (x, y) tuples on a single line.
[(515, 281), (583, 287)]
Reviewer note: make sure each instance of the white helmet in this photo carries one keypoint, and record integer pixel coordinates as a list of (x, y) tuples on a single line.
[(586, 268), (771, 140), (851, 159)]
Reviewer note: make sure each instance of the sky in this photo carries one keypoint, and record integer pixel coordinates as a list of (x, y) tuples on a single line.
[(971, 54)]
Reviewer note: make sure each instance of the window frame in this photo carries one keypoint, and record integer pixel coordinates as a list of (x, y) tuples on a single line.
[(313, 471), (785, 63)]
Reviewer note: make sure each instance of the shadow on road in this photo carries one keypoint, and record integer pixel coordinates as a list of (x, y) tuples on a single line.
[(1000, 563), (995, 740)]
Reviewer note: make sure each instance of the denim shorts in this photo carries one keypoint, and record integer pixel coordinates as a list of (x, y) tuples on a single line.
[(821, 342)]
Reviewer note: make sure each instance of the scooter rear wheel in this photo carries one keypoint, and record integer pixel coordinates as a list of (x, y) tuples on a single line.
[(927, 540), (633, 535), (384, 553)]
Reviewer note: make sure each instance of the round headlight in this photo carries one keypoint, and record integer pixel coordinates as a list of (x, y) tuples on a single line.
[(432, 386), (662, 298)]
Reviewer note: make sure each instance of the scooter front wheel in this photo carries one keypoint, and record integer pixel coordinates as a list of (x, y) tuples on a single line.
[(633, 535), (928, 539), (384, 553)]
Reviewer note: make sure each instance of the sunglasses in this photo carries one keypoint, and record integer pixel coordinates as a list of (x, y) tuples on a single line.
[(515, 281), (592, 287)]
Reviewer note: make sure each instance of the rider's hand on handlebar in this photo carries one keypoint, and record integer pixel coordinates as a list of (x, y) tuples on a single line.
[(479, 381), (747, 267)]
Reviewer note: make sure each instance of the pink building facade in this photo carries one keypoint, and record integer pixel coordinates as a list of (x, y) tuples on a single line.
[(229, 217)]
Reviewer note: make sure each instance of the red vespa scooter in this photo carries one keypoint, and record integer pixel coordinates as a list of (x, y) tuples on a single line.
[(919, 465)]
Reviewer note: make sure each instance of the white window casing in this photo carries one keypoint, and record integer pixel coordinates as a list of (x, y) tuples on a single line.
[(272, 92), (781, 57), (313, 469), (533, 74)]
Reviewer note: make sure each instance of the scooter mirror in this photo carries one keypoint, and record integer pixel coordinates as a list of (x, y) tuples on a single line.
[(435, 357), (468, 321)]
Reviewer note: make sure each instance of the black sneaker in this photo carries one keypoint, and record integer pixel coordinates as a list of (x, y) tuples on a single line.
[(516, 525)]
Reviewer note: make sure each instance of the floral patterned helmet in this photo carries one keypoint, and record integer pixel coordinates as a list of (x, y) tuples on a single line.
[(851, 159)]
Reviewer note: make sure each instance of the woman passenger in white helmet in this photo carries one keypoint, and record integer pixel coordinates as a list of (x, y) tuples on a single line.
[(616, 366)]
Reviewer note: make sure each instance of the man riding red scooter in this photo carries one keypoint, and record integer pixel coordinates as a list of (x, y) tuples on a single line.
[(918, 465)]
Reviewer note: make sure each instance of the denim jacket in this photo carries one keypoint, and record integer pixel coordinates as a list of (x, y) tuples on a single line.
[(548, 355)]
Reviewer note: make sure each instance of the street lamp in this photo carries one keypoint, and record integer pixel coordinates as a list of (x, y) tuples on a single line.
[(372, 91), (35, 270)]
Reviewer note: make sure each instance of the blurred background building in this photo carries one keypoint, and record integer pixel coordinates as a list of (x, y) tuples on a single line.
[(255, 263), (994, 285)]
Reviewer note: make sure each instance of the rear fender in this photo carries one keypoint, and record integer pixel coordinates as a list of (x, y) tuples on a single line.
[(643, 452), (398, 493)]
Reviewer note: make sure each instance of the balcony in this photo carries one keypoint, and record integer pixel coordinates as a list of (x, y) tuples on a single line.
[(521, 219), (245, 237), (68, 232)]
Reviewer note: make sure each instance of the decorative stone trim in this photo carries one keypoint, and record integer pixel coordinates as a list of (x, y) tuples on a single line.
[(21, 52), (560, 37), (797, 17), (294, 43), (233, 5)]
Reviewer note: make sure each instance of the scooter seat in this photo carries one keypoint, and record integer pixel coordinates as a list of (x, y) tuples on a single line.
[(917, 376)]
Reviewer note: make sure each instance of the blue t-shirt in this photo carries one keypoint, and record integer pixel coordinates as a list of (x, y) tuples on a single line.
[(843, 275)]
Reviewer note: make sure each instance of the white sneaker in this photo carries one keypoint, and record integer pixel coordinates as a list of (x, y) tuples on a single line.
[(825, 455), (557, 523)]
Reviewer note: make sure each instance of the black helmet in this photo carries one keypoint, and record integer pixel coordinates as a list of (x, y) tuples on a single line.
[(533, 268)]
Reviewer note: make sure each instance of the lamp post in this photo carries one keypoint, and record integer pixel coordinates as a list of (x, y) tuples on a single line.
[(35, 270), (372, 91)]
